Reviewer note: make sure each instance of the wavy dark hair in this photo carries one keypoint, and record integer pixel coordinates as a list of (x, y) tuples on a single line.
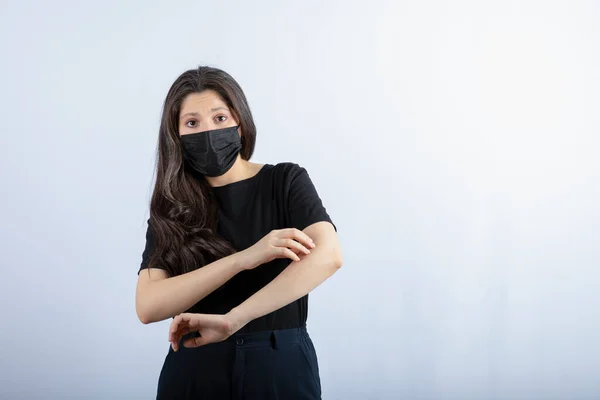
[(183, 210)]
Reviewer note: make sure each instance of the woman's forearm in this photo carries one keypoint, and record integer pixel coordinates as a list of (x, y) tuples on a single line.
[(298, 279), (161, 299)]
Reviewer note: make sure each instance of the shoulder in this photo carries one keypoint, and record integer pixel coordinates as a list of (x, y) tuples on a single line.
[(288, 171), (287, 166)]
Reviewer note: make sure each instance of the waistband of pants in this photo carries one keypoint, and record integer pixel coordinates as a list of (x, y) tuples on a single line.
[(273, 338)]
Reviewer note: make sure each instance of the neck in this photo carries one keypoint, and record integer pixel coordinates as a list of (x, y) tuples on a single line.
[(240, 170)]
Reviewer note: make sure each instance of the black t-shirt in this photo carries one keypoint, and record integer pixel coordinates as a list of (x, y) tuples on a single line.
[(277, 197)]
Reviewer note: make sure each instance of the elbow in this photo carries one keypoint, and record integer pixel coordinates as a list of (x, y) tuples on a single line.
[(143, 312), (333, 258), (144, 318), (337, 259), (337, 263)]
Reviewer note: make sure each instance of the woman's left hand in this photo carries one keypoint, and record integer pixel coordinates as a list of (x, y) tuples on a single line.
[(213, 328)]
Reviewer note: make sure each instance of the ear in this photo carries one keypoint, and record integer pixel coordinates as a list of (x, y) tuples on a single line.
[(237, 122)]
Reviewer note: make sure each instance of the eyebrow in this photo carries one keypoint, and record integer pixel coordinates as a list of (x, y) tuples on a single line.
[(195, 114)]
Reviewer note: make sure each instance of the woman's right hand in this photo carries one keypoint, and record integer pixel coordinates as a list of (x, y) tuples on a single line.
[(281, 243)]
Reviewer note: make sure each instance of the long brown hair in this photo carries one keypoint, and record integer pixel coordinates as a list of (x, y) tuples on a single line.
[(183, 210)]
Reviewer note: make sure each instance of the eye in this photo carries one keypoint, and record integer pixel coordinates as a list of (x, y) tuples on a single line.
[(192, 123), (220, 118)]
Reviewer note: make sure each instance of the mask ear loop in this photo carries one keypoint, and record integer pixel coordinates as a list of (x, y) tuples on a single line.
[(242, 136)]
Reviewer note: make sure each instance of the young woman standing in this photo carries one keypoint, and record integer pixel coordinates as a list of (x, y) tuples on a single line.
[(232, 250)]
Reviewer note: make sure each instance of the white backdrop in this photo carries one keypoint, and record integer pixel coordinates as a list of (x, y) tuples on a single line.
[(454, 144)]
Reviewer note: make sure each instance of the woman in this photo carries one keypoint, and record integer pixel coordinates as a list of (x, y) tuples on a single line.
[(232, 250)]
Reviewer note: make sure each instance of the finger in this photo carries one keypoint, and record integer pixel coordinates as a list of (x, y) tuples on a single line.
[(175, 337), (299, 236), (292, 245), (284, 252), (176, 325), (173, 327), (187, 319), (195, 342)]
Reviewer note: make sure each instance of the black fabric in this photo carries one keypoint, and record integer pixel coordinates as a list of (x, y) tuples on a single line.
[(212, 153), (267, 365), (279, 196)]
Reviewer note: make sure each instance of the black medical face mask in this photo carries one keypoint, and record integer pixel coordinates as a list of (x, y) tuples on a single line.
[(212, 153)]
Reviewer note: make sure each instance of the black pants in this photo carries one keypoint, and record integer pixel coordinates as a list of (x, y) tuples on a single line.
[(280, 364)]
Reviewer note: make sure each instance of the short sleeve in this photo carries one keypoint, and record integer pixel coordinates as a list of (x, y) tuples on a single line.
[(304, 204), (149, 249)]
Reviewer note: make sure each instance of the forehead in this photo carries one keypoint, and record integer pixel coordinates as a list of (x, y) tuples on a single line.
[(203, 101)]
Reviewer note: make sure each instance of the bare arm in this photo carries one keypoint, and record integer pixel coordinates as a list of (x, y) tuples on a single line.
[(298, 279), (158, 297)]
